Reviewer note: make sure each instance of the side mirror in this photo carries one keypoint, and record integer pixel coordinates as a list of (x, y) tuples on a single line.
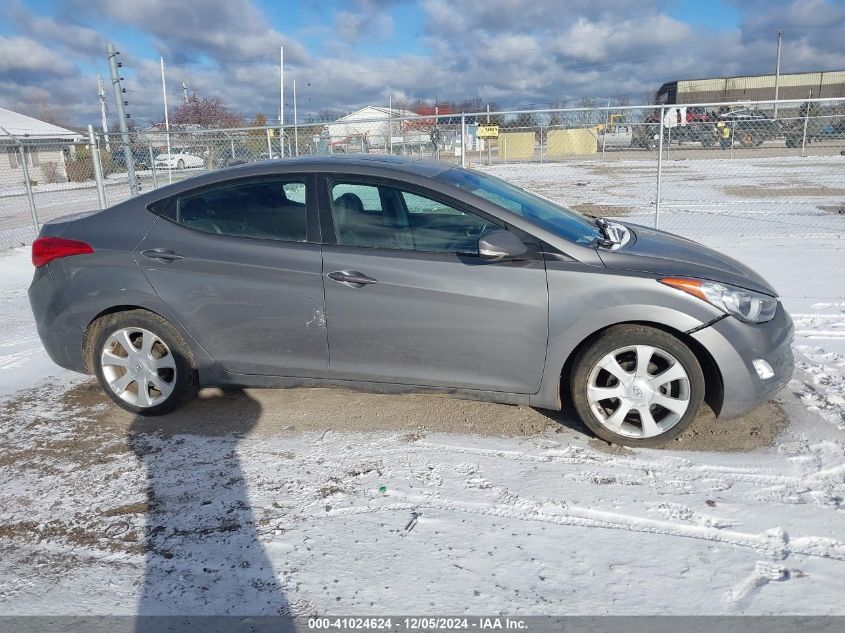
[(501, 244)]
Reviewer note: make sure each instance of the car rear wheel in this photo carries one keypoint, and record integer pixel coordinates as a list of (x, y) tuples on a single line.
[(180, 164), (637, 385), (142, 362)]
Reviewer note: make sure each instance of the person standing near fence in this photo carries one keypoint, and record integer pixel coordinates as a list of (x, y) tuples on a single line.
[(725, 134)]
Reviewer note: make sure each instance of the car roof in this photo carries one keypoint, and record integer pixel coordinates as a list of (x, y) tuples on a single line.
[(365, 164), (341, 162)]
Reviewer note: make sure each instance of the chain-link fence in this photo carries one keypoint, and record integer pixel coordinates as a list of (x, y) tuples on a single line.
[(706, 171)]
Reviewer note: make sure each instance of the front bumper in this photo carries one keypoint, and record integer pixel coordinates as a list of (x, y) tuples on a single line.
[(734, 346)]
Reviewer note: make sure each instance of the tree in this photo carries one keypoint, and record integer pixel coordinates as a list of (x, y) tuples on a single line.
[(207, 112)]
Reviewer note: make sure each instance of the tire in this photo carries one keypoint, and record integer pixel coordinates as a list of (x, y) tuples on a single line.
[(180, 164), (641, 393), (165, 370)]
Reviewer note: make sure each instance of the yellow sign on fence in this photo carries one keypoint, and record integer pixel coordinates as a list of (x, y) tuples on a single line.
[(488, 131)]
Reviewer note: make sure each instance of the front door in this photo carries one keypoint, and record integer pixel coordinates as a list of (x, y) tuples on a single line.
[(409, 301), (239, 265)]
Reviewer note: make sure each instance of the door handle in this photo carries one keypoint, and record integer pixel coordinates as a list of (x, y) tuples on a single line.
[(162, 253), (352, 277)]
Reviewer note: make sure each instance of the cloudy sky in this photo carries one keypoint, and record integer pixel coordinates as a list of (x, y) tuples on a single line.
[(347, 54)]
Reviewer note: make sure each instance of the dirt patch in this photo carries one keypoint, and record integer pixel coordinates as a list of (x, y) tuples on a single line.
[(757, 429), (141, 507), (293, 411), (601, 210), (611, 169), (757, 191), (838, 209), (103, 431)]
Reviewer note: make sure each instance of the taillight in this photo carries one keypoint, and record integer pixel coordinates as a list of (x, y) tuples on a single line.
[(46, 249)]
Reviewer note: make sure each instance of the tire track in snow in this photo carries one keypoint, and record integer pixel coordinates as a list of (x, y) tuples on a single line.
[(581, 457), (774, 543)]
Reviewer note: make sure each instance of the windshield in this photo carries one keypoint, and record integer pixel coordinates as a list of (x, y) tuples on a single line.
[(559, 220)]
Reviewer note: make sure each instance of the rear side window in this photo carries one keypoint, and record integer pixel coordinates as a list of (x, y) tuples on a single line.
[(267, 208)]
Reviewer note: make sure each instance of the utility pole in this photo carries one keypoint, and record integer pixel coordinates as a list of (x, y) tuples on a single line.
[(101, 91), (295, 128), (122, 116), (167, 118), (777, 73), (282, 99), (185, 91)]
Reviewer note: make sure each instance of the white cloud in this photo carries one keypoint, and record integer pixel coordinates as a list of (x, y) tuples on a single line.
[(23, 58), (511, 51)]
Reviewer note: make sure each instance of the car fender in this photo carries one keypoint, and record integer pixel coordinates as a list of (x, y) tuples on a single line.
[(584, 301)]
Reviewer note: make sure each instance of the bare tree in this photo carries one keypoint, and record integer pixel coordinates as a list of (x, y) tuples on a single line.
[(205, 112)]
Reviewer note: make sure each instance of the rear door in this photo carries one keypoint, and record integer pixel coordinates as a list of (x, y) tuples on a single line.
[(239, 264), (409, 301)]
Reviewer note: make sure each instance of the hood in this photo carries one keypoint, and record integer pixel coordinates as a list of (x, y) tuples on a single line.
[(662, 253)]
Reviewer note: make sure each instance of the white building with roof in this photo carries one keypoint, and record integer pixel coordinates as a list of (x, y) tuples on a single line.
[(46, 147), (373, 123)]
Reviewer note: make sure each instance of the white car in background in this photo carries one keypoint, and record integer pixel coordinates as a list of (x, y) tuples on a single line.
[(182, 158)]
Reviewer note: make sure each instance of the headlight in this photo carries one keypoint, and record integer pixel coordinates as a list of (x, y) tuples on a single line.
[(745, 305)]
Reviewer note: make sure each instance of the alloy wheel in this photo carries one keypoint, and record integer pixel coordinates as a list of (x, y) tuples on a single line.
[(138, 367), (638, 391)]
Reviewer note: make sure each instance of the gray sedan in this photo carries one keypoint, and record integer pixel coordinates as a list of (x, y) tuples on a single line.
[(393, 274)]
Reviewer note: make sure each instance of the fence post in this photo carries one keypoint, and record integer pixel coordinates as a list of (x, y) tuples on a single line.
[(541, 144), (28, 184), (733, 136), (659, 171), (604, 131), (153, 166), (806, 117), (270, 145), (98, 168), (668, 141), (463, 140)]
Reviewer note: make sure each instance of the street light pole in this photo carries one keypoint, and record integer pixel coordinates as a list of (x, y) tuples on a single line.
[(777, 73)]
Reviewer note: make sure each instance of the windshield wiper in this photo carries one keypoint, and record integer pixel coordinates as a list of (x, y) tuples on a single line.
[(609, 236)]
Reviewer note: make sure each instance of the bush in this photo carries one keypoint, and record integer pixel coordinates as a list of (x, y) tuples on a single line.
[(80, 168), (51, 171)]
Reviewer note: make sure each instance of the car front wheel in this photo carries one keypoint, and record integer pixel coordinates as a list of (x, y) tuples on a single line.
[(637, 385), (142, 362)]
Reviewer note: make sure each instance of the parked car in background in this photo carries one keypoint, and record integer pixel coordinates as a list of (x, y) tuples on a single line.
[(182, 158), (434, 278), (685, 124), (140, 156), (751, 128), (237, 156), (628, 135)]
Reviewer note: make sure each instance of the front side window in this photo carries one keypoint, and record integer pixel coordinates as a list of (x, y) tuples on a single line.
[(382, 216), (270, 208), (544, 213)]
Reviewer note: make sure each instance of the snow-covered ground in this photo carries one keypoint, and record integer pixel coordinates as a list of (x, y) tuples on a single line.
[(245, 505)]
